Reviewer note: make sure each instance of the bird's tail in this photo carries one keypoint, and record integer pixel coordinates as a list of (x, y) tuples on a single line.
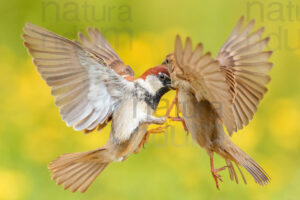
[(76, 171), (239, 157), (232, 173)]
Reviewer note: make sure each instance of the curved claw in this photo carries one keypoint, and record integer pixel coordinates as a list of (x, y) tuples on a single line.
[(214, 171), (217, 178), (158, 130)]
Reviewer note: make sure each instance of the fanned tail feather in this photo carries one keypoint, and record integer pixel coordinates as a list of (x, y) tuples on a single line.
[(76, 171), (241, 158)]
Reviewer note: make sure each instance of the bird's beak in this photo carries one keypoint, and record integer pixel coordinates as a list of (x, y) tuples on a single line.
[(169, 85), (172, 88)]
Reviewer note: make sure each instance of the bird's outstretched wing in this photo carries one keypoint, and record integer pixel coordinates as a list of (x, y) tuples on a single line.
[(246, 67), (102, 49), (96, 44), (205, 77), (87, 90)]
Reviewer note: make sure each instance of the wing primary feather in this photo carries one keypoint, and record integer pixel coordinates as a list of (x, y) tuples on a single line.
[(246, 68), (178, 50), (86, 78)]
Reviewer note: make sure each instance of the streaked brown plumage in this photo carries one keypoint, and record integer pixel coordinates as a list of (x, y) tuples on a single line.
[(76, 171), (93, 86), (225, 90)]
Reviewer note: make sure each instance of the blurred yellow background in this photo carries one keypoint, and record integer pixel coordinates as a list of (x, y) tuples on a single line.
[(171, 166)]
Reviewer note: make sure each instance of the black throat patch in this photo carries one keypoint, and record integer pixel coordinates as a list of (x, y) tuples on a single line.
[(151, 100)]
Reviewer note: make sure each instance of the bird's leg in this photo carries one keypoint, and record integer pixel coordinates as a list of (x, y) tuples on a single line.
[(214, 171), (180, 119), (150, 119), (177, 118), (158, 130), (174, 102)]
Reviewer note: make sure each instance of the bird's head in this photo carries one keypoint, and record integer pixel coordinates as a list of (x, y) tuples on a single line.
[(156, 80), (170, 64)]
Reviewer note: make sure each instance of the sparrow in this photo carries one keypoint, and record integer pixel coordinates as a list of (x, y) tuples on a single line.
[(93, 86), (222, 91)]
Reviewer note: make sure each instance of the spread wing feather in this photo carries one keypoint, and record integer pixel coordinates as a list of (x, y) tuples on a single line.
[(246, 67), (102, 49), (205, 77), (87, 90)]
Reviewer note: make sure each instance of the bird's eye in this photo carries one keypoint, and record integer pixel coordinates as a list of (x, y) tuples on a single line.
[(166, 61), (162, 76)]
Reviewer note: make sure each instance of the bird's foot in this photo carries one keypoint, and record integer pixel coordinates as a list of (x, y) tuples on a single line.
[(216, 176), (158, 130), (214, 171), (180, 119)]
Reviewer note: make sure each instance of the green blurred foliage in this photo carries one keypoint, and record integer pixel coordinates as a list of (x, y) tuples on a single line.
[(171, 166)]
